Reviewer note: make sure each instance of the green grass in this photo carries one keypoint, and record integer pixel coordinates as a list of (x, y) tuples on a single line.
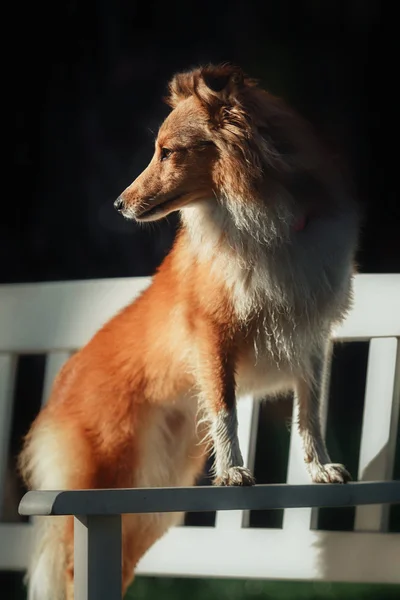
[(156, 588), (162, 588)]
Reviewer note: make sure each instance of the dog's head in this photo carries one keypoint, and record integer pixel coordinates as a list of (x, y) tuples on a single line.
[(222, 139)]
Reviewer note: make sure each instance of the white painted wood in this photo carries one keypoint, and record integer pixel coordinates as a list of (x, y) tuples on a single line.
[(54, 361), (60, 316), (7, 377), (64, 315), (375, 312), (249, 553), (297, 520), (249, 430), (248, 421), (15, 546), (378, 438), (273, 554)]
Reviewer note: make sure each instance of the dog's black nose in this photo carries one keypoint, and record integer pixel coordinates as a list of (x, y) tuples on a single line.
[(119, 203)]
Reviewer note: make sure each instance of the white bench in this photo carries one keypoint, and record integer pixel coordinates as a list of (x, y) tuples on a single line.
[(57, 318)]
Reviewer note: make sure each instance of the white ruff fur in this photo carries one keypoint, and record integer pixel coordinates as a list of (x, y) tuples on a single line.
[(295, 285)]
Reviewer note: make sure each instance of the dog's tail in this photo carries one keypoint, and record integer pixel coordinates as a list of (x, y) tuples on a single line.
[(47, 462), (45, 577)]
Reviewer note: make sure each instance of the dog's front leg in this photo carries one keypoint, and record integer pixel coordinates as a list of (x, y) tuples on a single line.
[(229, 469), (309, 393), (216, 380)]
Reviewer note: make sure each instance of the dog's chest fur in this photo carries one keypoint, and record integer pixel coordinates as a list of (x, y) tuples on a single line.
[(287, 288)]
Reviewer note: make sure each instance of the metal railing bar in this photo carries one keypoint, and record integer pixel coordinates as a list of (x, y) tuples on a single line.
[(259, 497)]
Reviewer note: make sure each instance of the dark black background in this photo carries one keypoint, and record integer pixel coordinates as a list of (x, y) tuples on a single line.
[(87, 81)]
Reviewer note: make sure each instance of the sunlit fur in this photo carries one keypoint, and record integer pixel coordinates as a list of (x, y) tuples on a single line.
[(244, 303)]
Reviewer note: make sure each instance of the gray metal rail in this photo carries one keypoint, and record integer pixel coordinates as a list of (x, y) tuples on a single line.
[(98, 516)]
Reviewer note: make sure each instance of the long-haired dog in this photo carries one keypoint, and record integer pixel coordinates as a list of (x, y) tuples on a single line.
[(260, 271)]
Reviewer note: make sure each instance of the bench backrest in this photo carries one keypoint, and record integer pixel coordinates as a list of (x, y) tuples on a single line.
[(55, 319)]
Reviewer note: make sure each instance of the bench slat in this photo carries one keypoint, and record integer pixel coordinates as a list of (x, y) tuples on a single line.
[(7, 379), (378, 438)]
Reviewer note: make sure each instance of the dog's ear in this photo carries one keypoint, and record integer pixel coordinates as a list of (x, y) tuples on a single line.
[(221, 90), (181, 86), (213, 85), (223, 82)]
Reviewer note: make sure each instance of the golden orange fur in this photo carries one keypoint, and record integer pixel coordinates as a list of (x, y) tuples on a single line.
[(244, 303)]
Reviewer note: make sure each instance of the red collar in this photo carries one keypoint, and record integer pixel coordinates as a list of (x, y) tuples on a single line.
[(300, 224)]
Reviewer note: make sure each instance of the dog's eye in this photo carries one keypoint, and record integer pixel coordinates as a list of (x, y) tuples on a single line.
[(165, 153)]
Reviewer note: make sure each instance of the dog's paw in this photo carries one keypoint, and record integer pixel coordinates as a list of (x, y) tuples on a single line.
[(236, 476), (329, 473)]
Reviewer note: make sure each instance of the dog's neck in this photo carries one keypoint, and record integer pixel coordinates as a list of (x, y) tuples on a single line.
[(244, 244), (235, 225)]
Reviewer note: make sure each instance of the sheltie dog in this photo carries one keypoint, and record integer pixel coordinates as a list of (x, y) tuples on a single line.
[(244, 303)]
